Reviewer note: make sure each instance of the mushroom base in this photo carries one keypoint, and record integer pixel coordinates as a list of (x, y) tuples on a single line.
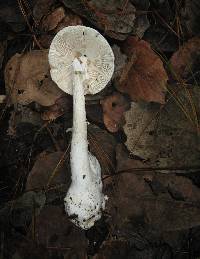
[(85, 201)]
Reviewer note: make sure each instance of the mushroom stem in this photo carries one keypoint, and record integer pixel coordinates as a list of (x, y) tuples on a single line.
[(85, 199), (79, 146)]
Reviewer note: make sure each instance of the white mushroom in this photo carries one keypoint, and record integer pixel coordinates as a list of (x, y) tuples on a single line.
[(82, 62)]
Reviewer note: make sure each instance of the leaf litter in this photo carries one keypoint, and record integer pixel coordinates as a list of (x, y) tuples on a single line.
[(144, 130)]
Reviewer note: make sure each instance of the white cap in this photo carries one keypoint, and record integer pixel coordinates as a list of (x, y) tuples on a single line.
[(77, 42)]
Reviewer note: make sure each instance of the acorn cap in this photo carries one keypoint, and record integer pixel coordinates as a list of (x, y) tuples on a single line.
[(77, 42)]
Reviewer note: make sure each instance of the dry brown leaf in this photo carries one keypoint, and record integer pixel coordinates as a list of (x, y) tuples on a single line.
[(153, 195), (166, 137), (29, 249), (190, 18), (183, 61), (124, 159), (2, 50), (114, 107), (144, 77), (102, 144), (27, 79), (51, 21), (56, 21), (43, 170), (62, 105), (42, 8), (54, 231), (70, 19), (116, 19), (154, 210), (113, 250)]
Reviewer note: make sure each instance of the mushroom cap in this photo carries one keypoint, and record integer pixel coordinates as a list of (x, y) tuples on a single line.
[(75, 42)]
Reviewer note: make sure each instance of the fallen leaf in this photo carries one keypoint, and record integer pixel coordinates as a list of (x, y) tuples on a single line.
[(113, 250), (144, 77), (70, 19), (114, 107), (27, 79), (18, 213), (52, 20), (185, 61), (136, 247), (48, 170), (23, 115), (141, 21), (29, 249), (11, 14), (161, 38), (63, 105), (103, 144), (54, 231), (56, 21), (3, 45), (42, 8), (125, 160), (113, 19), (150, 210), (166, 137), (190, 17), (151, 193), (120, 62)]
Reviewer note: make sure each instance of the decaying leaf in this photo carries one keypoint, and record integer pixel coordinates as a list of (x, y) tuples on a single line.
[(23, 114), (113, 250), (190, 17), (11, 14), (143, 77), (103, 144), (116, 20), (62, 105), (166, 137), (42, 8), (70, 19), (161, 38), (152, 210), (48, 170), (125, 161), (54, 22), (136, 247), (19, 212), (185, 62), (27, 79), (120, 61), (2, 50), (27, 248), (114, 107), (141, 21), (140, 202), (54, 231)]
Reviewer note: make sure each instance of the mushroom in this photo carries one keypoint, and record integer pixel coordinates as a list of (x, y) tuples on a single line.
[(82, 62)]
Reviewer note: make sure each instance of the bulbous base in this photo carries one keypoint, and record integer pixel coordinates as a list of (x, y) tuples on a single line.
[(85, 201)]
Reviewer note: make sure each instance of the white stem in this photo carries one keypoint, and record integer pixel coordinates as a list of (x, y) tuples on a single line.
[(84, 199), (79, 147)]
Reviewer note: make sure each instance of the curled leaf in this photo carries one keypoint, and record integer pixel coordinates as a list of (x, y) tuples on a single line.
[(114, 107), (54, 22), (116, 19), (184, 62), (190, 17), (27, 79), (144, 77)]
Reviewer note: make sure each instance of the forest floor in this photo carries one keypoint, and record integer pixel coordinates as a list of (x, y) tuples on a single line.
[(143, 129)]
